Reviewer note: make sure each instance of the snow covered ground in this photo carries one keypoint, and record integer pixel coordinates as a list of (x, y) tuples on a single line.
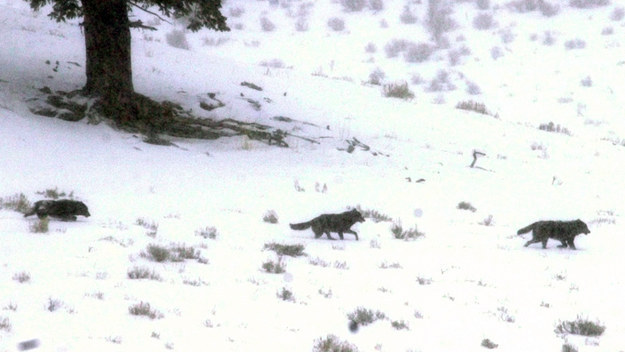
[(467, 279)]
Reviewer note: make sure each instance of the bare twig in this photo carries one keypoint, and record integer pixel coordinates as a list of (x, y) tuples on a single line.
[(475, 155), (148, 11), (139, 24)]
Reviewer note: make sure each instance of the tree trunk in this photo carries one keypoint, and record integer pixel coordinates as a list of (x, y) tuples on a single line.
[(109, 71)]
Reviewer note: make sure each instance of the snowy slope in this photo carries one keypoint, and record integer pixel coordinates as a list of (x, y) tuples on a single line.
[(460, 283)]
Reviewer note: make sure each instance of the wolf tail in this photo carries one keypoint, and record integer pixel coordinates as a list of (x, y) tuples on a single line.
[(301, 226), (525, 229)]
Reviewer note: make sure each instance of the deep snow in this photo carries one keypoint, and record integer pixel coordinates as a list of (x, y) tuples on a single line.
[(478, 281)]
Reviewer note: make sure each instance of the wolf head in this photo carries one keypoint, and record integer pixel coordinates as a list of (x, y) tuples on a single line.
[(582, 227), (356, 216), (81, 209)]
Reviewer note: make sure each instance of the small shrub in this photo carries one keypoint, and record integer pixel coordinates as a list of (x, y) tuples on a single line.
[(266, 25), (273, 63), (376, 5), (274, 267), (12, 306), (5, 324), (407, 17), (406, 235), (17, 202), (455, 55), (182, 252), (301, 25), (53, 304), (208, 232), (395, 46), (575, 44), (466, 206), (496, 52), (149, 225), (474, 106), (363, 317), (441, 82), (397, 90), (547, 9), (158, 253), (567, 347), (21, 277), (551, 127), (438, 20), (353, 5), (607, 31), (144, 309), (376, 77), (332, 343), (503, 314), (523, 6), (423, 281), (549, 39), (318, 262), (292, 250), (374, 244), (488, 344), (588, 4), (340, 265), (385, 265), (336, 24), (483, 21), (483, 4), (488, 221), (416, 53), (138, 273), (473, 88), (270, 217), (206, 41), (373, 214), (41, 226), (371, 48), (399, 325), (580, 326), (236, 11), (178, 39), (285, 295), (617, 14), (54, 193), (586, 82)]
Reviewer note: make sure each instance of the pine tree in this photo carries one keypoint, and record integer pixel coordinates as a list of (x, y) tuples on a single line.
[(106, 28)]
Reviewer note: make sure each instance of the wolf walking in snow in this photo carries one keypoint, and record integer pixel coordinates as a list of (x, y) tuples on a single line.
[(63, 209), (326, 223), (563, 231)]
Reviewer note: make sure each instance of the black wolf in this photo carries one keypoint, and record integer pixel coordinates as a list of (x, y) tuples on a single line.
[(563, 231), (326, 223), (64, 209)]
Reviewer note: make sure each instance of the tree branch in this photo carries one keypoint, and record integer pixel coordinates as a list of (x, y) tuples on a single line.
[(148, 11), (139, 24), (475, 155)]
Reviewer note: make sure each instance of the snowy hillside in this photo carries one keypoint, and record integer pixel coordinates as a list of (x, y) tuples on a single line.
[(550, 77)]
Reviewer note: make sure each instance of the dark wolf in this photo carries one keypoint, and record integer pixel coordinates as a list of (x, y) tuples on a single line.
[(326, 223), (64, 209), (563, 231)]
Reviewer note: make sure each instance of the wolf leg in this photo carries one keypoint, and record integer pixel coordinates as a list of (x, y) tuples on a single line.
[(533, 240), (563, 245), (329, 237), (353, 233), (545, 243), (571, 244), (341, 235)]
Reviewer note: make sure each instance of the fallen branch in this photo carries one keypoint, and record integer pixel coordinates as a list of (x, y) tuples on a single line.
[(475, 155)]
